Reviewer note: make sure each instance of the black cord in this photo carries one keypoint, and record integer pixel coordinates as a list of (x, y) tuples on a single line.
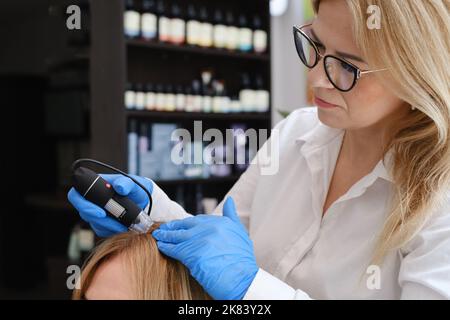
[(77, 163)]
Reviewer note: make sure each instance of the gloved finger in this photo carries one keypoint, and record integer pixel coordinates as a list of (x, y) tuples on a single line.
[(174, 236), (229, 210), (126, 187), (186, 223), (168, 249), (84, 207)]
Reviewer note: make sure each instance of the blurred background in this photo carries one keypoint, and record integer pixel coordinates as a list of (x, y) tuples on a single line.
[(110, 80)]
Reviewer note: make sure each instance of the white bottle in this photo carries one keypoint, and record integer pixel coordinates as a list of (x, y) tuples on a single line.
[(220, 30), (198, 98), (150, 99), (177, 26), (132, 20), (193, 27), (247, 95), (164, 23), (245, 35), (232, 38), (140, 97), (180, 100), (160, 98), (206, 29), (262, 96), (170, 99), (130, 97), (259, 36), (189, 100), (149, 21)]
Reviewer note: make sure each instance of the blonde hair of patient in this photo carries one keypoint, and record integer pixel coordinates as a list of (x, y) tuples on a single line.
[(153, 275)]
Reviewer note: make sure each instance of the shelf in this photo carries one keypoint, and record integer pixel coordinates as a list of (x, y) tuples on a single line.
[(180, 115), (210, 180), (197, 50)]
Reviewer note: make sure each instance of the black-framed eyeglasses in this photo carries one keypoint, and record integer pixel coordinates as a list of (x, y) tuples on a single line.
[(342, 74)]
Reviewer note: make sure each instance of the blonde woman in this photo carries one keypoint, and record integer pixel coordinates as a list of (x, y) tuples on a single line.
[(129, 266), (360, 207)]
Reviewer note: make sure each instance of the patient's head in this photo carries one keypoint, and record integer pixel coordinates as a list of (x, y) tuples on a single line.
[(129, 266)]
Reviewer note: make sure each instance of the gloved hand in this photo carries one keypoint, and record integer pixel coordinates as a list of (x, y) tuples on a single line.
[(216, 249), (103, 225)]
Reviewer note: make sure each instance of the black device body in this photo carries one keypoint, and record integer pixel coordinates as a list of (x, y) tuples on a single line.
[(100, 192)]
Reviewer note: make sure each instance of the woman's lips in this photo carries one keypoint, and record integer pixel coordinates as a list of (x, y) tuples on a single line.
[(324, 104)]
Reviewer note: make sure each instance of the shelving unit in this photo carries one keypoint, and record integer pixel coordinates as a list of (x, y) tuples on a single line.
[(116, 60)]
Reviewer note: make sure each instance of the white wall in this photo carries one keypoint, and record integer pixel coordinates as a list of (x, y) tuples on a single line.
[(288, 73)]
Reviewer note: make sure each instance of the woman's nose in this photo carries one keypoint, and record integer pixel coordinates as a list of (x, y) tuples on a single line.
[(317, 77)]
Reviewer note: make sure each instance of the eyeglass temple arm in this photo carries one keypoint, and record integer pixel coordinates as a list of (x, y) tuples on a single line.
[(371, 71)]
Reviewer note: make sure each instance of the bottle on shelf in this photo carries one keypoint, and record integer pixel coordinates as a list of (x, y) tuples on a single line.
[(232, 38), (132, 20), (140, 97), (149, 20), (177, 26), (160, 98), (180, 100), (247, 95), (150, 97), (198, 99), (259, 36), (193, 27), (130, 97), (245, 35), (218, 95), (262, 96), (206, 29), (220, 30), (170, 99), (164, 22), (189, 99), (207, 90)]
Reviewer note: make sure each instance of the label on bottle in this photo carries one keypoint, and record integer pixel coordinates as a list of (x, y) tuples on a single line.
[(217, 104), (177, 29), (149, 26), (235, 106), (140, 100), (247, 99), (245, 39), (170, 102), (132, 23), (262, 100), (206, 35), (232, 42), (207, 104), (198, 103), (150, 101), (193, 32), (260, 41), (225, 104), (160, 101), (180, 102), (220, 36), (164, 28), (130, 97), (189, 103)]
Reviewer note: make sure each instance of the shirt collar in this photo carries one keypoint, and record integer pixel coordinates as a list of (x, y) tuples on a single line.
[(321, 135)]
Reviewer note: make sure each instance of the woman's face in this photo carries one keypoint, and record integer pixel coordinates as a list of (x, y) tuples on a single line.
[(369, 103)]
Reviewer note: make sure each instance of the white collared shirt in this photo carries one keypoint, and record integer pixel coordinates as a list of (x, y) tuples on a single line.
[(303, 255)]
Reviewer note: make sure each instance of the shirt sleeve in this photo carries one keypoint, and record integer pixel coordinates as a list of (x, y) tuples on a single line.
[(267, 287), (425, 268)]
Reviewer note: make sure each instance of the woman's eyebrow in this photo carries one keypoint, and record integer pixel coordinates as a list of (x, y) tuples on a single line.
[(342, 54)]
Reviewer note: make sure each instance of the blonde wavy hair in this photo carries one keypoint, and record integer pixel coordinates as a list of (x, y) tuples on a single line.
[(414, 44), (153, 276)]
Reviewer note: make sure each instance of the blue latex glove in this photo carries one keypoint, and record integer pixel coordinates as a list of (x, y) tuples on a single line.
[(216, 249), (103, 225)]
